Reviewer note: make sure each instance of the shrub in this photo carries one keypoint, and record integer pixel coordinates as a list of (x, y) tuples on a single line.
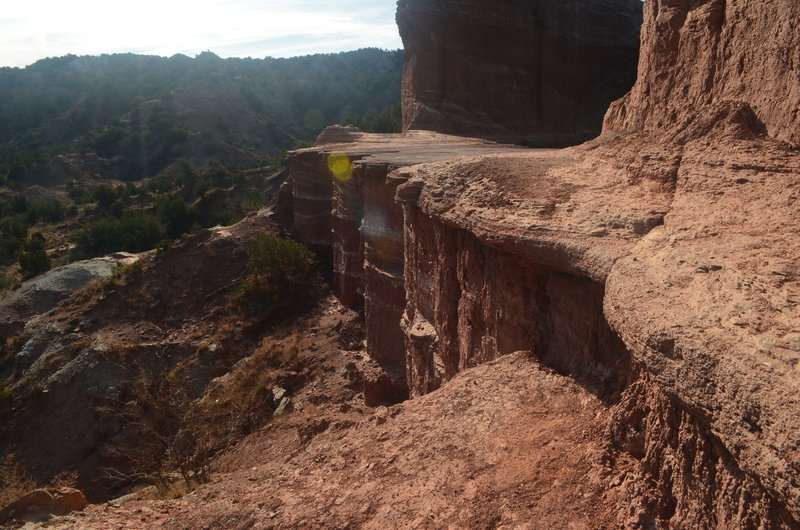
[(104, 195), (177, 217), (276, 270), (33, 258), (132, 269), (134, 231), (7, 281), (47, 210), (12, 235), (5, 394), (15, 480)]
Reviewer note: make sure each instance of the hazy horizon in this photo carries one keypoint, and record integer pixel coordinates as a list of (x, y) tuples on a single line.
[(229, 28)]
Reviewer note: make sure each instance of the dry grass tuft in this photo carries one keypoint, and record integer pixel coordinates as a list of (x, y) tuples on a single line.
[(15, 481)]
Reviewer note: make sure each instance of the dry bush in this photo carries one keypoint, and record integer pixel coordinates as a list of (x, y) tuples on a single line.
[(170, 450), (283, 351), (78, 346), (65, 479), (15, 481), (9, 347)]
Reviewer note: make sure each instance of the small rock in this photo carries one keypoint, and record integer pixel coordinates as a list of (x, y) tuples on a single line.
[(284, 406), (278, 393)]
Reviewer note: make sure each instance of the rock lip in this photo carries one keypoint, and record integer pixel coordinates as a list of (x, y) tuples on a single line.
[(43, 502)]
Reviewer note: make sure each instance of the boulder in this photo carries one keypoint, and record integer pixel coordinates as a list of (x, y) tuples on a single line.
[(43, 502)]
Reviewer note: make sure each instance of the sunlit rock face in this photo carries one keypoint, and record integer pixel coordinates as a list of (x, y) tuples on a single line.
[(703, 53), (543, 70)]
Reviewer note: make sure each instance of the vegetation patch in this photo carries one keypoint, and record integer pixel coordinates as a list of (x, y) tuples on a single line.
[(6, 395), (15, 480), (277, 270)]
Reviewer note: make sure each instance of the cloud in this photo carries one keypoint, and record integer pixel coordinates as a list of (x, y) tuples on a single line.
[(256, 28)]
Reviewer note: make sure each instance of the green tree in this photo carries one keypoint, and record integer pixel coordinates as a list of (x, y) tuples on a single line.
[(12, 235), (278, 269), (33, 258), (134, 231), (177, 217), (105, 195)]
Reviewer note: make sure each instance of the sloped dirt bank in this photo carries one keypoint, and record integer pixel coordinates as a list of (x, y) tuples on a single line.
[(468, 303)]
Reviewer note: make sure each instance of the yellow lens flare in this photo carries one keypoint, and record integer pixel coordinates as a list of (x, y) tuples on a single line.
[(340, 166)]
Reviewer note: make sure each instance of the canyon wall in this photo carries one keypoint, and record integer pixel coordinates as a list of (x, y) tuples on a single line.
[(543, 72), (656, 264), (699, 53), (341, 202), (581, 257)]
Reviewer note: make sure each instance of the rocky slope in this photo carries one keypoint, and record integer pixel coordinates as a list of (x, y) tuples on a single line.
[(451, 458), (543, 72), (109, 380)]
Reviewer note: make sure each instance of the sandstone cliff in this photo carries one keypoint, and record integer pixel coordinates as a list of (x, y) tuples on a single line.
[(696, 54), (655, 264), (544, 71)]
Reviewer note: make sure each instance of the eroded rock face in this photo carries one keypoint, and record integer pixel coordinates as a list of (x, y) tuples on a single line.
[(698, 53), (42, 293), (656, 264), (352, 221), (545, 70), (468, 303)]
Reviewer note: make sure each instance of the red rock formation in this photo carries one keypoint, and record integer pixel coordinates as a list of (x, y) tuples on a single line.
[(518, 251), (311, 205), (354, 222), (468, 303), (700, 53), (655, 264), (43, 502), (545, 70)]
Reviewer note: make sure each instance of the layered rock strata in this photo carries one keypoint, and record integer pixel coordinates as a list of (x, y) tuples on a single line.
[(655, 264), (605, 261), (705, 304), (349, 216), (542, 71)]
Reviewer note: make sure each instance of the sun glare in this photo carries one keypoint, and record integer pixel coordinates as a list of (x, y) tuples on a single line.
[(340, 166)]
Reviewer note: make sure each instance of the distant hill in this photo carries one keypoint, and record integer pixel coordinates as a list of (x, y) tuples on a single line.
[(141, 113)]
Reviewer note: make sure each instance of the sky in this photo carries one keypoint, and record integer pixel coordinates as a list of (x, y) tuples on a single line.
[(35, 29)]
